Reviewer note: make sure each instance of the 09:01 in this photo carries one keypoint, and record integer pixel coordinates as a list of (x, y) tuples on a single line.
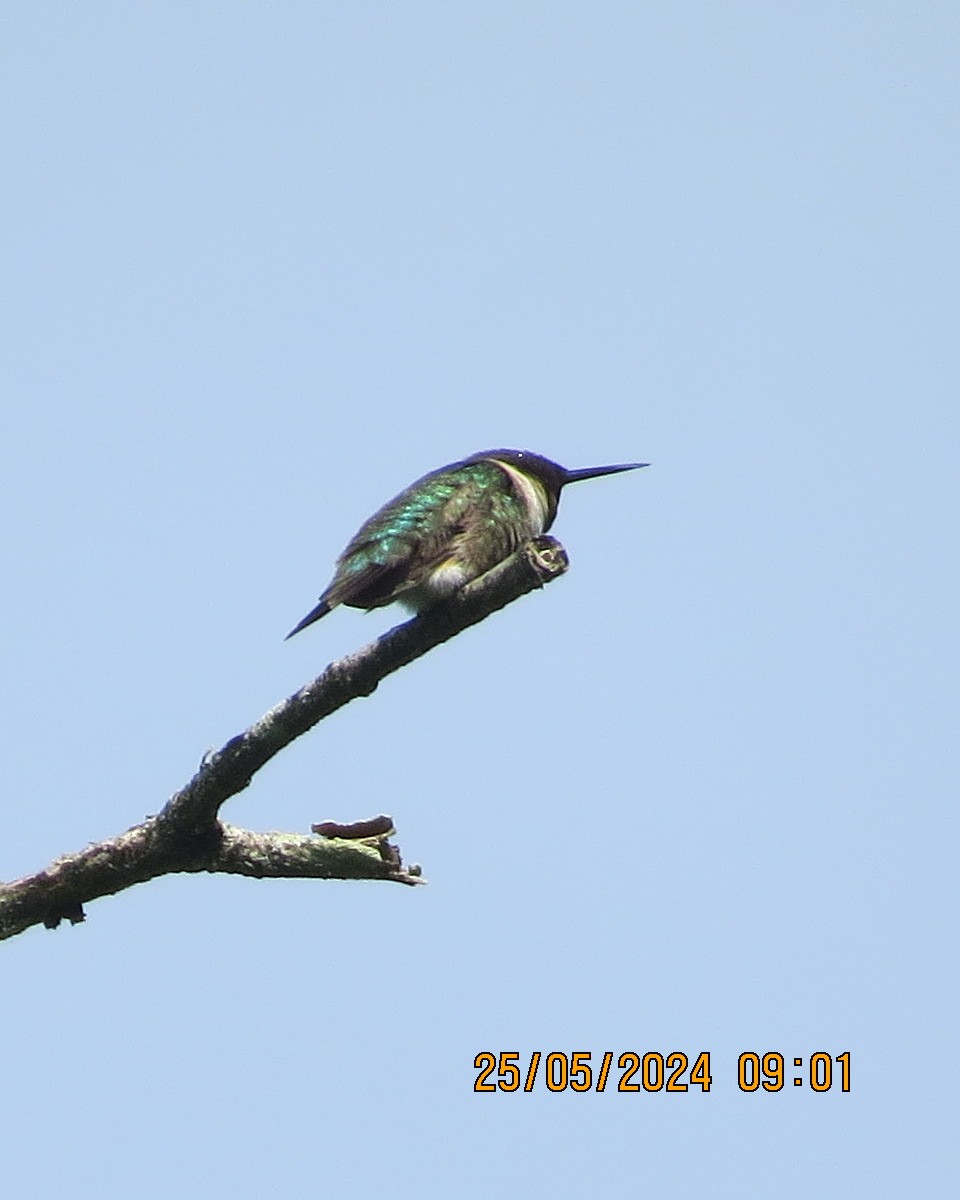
[(768, 1071)]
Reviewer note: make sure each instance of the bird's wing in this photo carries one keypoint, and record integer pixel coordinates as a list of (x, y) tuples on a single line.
[(374, 574), (365, 585)]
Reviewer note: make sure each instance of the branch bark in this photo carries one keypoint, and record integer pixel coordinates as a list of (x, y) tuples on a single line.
[(187, 834)]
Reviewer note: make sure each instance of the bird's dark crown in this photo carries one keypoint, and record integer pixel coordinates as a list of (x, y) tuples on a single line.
[(550, 474)]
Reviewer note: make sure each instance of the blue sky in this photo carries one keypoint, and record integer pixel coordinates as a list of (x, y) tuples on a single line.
[(263, 265)]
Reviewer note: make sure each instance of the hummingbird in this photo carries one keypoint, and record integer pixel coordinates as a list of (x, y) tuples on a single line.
[(449, 528)]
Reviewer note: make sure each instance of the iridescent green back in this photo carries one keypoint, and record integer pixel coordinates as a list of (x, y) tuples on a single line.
[(471, 507)]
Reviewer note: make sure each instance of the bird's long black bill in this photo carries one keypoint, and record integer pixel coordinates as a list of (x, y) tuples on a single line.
[(313, 615), (594, 472)]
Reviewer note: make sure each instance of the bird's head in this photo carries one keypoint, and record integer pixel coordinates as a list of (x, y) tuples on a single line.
[(552, 477)]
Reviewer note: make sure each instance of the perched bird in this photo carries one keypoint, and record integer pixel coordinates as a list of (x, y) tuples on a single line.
[(449, 528)]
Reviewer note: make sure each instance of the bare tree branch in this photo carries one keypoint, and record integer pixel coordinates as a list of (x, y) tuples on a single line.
[(187, 834)]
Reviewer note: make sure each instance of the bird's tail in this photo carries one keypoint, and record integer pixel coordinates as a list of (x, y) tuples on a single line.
[(313, 615)]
